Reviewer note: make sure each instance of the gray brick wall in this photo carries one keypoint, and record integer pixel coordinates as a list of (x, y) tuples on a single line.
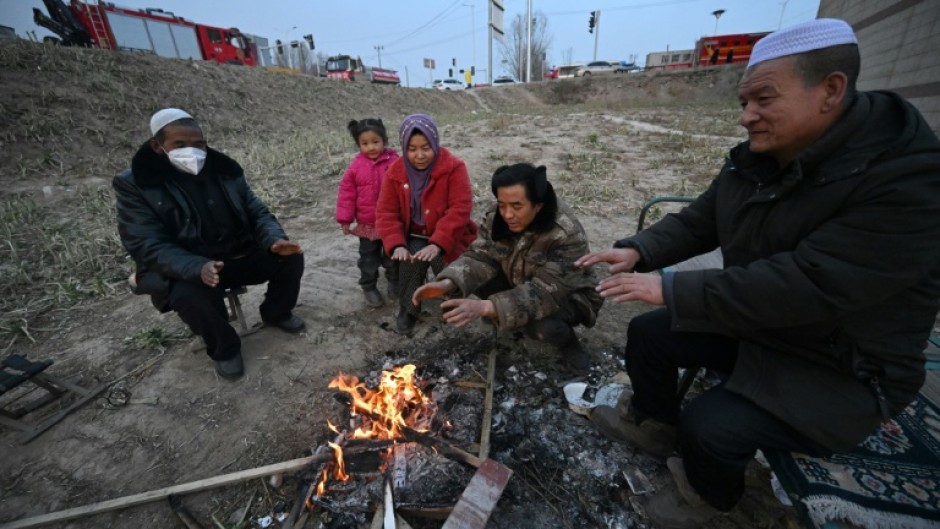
[(899, 41)]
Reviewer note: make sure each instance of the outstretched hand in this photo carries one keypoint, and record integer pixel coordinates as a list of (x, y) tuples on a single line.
[(285, 248), (620, 259), (459, 312), (434, 289), (401, 254), (633, 287), (428, 253)]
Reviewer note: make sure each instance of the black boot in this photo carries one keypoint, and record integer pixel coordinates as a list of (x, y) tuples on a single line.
[(405, 323), (373, 297)]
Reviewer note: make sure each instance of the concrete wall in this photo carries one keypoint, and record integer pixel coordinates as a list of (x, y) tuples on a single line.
[(899, 41)]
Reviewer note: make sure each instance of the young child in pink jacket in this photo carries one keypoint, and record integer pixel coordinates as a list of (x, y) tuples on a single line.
[(358, 194)]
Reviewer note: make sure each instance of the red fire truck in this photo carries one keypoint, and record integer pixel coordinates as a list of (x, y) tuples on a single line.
[(725, 49), (348, 68), (104, 25)]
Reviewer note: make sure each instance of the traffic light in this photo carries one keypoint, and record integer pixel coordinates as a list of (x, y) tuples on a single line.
[(591, 22), (280, 47), (309, 39), (473, 70), (450, 72)]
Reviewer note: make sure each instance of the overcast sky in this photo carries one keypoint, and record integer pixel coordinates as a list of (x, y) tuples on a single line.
[(410, 30)]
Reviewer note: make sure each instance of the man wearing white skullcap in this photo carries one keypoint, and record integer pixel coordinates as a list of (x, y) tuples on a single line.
[(828, 219), (194, 228)]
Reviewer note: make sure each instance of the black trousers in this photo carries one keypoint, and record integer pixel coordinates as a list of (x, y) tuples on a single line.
[(371, 257), (720, 431), (414, 274), (202, 308)]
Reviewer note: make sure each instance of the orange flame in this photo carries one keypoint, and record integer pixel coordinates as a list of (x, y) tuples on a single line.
[(397, 402), (339, 470)]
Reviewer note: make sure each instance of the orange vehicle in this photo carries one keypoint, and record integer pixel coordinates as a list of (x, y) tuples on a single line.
[(725, 49)]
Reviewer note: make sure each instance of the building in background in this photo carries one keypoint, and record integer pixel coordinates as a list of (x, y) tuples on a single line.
[(899, 43)]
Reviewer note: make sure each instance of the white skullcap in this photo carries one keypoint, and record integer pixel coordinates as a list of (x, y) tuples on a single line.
[(164, 117), (801, 38)]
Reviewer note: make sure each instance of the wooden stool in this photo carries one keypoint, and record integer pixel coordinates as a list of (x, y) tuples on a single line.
[(235, 306), (16, 369)]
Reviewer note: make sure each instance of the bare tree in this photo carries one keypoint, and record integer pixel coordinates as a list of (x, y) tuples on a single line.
[(567, 56), (514, 46)]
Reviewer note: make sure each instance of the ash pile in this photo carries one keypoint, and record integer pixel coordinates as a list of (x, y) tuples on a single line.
[(565, 473)]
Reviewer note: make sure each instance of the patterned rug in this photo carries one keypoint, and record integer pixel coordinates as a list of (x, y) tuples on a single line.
[(890, 481)]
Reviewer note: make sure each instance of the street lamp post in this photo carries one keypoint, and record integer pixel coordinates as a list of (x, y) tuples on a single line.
[(473, 33), (528, 42), (717, 14), (378, 50)]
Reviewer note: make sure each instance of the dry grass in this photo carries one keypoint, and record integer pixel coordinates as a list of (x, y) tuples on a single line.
[(74, 117)]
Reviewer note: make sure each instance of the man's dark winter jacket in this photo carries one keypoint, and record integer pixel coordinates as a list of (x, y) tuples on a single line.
[(832, 270), (160, 228)]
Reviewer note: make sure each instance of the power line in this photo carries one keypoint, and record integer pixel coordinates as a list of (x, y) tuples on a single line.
[(426, 44), (428, 23), (436, 18)]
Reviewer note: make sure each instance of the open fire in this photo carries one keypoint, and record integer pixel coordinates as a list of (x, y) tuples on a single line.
[(393, 411)]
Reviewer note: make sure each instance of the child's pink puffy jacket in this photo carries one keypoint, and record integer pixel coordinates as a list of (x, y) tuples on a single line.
[(359, 189)]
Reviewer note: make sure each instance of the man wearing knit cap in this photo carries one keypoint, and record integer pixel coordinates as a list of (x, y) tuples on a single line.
[(828, 219), (194, 228)]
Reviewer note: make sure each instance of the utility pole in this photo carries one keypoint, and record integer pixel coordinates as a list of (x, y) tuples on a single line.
[(407, 81), (528, 42), (597, 31), (379, 49), (489, 42), (473, 33)]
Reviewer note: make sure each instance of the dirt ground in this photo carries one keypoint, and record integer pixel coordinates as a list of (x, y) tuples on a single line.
[(72, 118)]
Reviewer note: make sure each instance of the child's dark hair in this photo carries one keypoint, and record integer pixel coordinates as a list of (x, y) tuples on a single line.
[(367, 125), (538, 190)]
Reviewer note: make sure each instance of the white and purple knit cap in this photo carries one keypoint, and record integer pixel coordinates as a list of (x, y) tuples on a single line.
[(801, 38)]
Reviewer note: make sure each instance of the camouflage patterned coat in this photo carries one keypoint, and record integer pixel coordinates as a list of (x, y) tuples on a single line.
[(539, 265)]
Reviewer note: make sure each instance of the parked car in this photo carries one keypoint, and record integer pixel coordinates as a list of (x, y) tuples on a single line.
[(567, 71), (505, 80), (448, 84), (627, 67), (596, 68)]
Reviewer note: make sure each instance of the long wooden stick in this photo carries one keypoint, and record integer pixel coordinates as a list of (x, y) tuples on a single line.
[(488, 405), (160, 494)]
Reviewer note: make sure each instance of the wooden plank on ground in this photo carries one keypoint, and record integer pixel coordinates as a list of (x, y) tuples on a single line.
[(160, 494)]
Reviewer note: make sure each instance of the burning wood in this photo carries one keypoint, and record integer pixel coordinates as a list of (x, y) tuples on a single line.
[(394, 415)]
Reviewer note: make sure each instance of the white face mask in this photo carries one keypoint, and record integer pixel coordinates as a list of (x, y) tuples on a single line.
[(187, 159)]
